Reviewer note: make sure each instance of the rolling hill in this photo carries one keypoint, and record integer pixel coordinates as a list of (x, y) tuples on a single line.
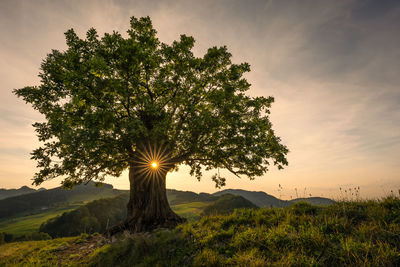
[(46, 199), (262, 199), (5, 193), (346, 233), (24, 214), (227, 204)]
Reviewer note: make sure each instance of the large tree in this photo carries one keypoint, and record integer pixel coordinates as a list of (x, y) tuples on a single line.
[(118, 102)]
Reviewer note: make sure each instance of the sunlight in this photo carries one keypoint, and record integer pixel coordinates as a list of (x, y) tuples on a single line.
[(154, 164), (153, 161)]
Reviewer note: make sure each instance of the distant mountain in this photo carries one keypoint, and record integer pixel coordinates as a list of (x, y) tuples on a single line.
[(262, 199), (5, 193), (180, 197), (228, 203), (33, 201), (45, 199)]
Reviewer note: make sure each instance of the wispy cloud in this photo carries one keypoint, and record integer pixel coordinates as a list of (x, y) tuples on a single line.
[(333, 67)]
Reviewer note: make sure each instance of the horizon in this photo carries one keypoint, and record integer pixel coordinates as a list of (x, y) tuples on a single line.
[(333, 69), (302, 195)]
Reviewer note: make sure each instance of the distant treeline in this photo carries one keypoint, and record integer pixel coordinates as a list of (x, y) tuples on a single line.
[(93, 217)]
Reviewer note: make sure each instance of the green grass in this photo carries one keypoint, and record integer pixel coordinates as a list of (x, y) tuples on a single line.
[(363, 233), (24, 224), (67, 251), (190, 211), (28, 223), (358, 233), (32, 252)]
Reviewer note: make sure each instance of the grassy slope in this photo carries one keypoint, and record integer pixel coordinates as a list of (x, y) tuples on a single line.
[(227, 204), (344, 234), (190, 211), (25, 224), (67, 251)]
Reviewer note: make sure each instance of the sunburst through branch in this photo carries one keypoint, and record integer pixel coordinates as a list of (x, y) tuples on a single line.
[(153, 161)]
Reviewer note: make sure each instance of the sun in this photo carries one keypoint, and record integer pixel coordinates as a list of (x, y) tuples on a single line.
[(154, 164), (153, 161)]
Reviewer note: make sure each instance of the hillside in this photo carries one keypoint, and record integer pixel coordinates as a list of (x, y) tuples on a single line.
[(91, 217), (5, 193), (262, 199), (99, 214), (363, 233), (180, 197), (37, 201), (25, 214), (227, 204), (46, 199)]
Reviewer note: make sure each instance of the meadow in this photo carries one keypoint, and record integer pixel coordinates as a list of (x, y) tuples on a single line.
[(28, 223), (347, 233)]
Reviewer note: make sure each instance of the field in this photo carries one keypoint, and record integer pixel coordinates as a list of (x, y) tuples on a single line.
[(347, 233), (67, 251), (190, 211), (25, 224)]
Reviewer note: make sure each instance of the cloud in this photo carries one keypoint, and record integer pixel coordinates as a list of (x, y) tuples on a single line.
[(333, 68)]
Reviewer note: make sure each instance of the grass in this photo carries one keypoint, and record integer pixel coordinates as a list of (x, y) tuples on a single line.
[(347, 233), (190, 211), (361, 233), (25, 224), (67, 251)]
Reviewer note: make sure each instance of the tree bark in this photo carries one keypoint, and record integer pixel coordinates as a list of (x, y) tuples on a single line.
[(148, 206)]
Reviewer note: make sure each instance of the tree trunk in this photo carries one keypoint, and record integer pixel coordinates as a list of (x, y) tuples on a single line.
[(148, 206)]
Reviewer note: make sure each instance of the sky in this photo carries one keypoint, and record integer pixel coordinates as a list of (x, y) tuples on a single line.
[(333, 68)]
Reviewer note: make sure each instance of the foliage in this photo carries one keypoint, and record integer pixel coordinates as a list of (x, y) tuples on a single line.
[(93, 217), (103, 97)]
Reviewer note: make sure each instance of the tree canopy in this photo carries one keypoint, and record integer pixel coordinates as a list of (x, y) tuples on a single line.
[(101, 97)]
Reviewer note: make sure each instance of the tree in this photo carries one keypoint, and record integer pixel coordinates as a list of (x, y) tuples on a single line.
[(114, 103)]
